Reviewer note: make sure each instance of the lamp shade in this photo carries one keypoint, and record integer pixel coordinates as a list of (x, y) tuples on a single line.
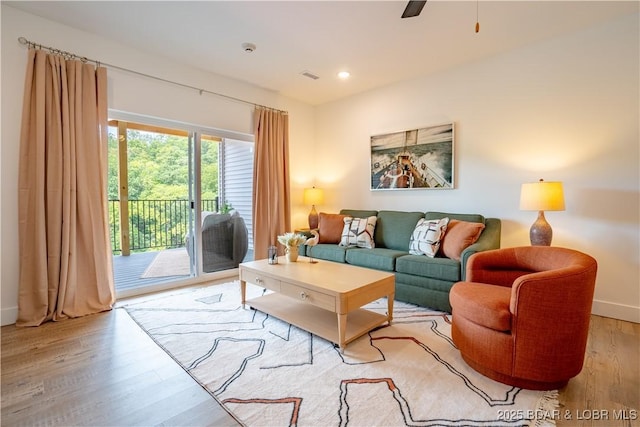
[(542, 196), (313, 196)]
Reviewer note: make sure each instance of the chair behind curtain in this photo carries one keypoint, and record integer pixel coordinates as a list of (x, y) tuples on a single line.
[(65, 255), (271, 193)]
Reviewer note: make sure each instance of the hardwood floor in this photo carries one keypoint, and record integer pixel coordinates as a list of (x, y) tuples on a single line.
[(104, 370), (98, 370), (607, 391)]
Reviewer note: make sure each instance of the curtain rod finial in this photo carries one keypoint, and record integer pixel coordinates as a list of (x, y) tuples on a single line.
[(22, 40)]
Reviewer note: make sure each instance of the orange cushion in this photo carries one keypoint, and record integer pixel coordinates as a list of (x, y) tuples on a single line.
[(330, 227), (459, 236), (483, 304)]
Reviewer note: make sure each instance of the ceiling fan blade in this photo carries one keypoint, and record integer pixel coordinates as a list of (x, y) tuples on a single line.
[(413, 8)]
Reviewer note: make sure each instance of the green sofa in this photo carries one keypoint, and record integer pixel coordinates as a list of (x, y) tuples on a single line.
[(420, 280)]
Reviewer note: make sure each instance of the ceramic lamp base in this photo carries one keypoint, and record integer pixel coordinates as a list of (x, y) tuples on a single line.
[(313, 218), (540, 232)]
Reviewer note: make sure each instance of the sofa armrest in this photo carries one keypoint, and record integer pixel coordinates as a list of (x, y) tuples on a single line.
[(304, 249), (489, 239), (306, 233)]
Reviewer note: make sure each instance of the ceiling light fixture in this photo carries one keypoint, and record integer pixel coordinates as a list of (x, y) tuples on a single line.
[(344, 75)]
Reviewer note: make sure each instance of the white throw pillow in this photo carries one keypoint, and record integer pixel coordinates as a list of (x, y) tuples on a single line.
[(358, 232), (427, 236)]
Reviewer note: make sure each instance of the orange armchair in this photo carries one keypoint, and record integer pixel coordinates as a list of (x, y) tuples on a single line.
[(522, 315)]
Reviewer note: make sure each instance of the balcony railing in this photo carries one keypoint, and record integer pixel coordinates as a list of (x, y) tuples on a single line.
[(153, 224)]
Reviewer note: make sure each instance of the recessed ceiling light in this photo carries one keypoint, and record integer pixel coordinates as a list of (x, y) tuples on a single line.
[(344, 74)]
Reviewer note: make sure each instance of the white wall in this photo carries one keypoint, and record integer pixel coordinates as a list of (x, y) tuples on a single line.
[(127, 92), (565, 109)]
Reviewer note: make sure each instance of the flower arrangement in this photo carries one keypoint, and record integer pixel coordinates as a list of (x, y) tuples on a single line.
[(292, 239)]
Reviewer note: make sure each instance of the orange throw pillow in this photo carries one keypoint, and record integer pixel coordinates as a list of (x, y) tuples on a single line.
[(459, 236), (330, 227)]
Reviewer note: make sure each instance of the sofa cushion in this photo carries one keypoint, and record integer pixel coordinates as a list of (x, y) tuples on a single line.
[(458, 216), (483, 304), (330, 227), (358, 232), (394, 228), (378, 258), (329, 252), (459, 236), (427, 236), (358, 213), (420, 265)]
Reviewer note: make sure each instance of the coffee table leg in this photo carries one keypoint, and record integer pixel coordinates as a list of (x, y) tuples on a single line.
[(243, 291), (342, 329), (390, 298)]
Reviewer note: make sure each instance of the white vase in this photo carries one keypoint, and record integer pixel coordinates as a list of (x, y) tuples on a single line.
[(291, 253)]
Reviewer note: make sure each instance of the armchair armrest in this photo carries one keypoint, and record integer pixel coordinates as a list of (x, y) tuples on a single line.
[(551, 292), (563, 297), (498, 267)]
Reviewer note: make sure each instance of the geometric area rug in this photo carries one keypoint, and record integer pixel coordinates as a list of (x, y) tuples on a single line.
[(266, 372)]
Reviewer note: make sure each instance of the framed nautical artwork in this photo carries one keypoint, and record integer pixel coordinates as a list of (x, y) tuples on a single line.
[(413, 159)]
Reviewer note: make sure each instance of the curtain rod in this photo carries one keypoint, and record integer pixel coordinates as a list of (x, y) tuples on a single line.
[(69, 55)]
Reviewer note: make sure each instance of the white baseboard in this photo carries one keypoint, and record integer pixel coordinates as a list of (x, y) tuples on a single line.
[(629, 313), (8, 316)]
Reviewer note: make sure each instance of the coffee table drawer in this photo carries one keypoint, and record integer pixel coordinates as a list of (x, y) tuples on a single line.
[(318, 299), (261, 280)]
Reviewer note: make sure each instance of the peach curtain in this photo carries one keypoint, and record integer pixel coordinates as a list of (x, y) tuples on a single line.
[(65, 258), (271, 191)]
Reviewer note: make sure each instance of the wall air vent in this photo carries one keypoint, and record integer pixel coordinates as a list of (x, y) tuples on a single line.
[(309, 74)]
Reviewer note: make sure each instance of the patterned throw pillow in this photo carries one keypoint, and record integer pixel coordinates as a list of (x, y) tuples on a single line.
[(427, 236), (358, 232)]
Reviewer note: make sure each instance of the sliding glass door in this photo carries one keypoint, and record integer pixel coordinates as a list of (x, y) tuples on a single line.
[(175, 210)]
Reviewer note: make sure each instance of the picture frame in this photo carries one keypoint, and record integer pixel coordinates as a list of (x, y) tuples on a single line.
[(421, 158)]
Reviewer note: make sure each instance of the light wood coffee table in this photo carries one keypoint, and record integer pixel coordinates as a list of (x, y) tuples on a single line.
[(324, 297)]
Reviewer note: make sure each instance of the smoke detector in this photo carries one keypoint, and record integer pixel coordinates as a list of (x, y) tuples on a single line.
[(248, 47)]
